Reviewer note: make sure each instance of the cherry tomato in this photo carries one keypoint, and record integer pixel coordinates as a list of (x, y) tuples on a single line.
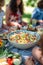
[(10, 61)]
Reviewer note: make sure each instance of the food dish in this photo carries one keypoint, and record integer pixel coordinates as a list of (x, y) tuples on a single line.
[(32, 28), (23, 35), (3, 61), (40, 29), (15, 58), (11, 59), (3, 35), (23, 38)]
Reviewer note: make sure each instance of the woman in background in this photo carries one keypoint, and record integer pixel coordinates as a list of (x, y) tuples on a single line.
[(14, 12)]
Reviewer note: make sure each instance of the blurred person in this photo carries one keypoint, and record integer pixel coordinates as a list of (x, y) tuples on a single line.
[(1, 13), (37, 52), (37, 14), (14, 12)]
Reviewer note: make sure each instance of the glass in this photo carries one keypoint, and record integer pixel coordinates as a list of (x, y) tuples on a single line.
[(24, 28), (34, 22)]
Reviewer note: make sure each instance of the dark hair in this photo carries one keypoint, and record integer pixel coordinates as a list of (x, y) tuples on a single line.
[(14, 7), (40, 4), (2, 1)]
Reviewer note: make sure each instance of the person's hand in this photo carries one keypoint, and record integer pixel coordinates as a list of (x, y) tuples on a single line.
[(41, 60), (16, 24), (29, 61), (41, 22)]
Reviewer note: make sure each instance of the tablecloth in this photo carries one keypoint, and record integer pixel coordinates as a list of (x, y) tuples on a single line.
[(24, 52)]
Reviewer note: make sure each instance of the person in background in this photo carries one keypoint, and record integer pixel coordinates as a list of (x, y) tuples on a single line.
[(37, 14), (1, 14), (37, 52), (14, 12)]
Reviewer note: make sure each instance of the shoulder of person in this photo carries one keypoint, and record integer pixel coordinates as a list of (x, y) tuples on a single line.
[(36, 9), (2, 13)]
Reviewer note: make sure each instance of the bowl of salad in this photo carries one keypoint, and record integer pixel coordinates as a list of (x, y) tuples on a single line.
[(14, 58), (11, 59), (23, 39)]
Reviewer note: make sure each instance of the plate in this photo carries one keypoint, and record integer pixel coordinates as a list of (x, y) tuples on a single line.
[(15, 58)]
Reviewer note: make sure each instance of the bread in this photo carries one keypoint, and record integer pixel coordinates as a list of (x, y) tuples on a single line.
[(3, 61)]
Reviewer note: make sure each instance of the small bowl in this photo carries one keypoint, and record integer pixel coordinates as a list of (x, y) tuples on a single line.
[(24, 27)]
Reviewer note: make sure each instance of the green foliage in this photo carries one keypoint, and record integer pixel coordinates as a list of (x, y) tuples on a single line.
[(7, 1), (31, 2)]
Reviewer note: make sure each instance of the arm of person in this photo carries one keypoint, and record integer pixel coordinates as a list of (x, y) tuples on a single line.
[(7, 15), (40, 21)]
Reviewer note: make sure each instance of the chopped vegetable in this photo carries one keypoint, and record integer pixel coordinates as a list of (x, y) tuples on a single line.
[(22, 38), (16, 62)]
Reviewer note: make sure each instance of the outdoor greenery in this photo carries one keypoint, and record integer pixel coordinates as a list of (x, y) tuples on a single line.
[(31, 3), (27, 2)]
